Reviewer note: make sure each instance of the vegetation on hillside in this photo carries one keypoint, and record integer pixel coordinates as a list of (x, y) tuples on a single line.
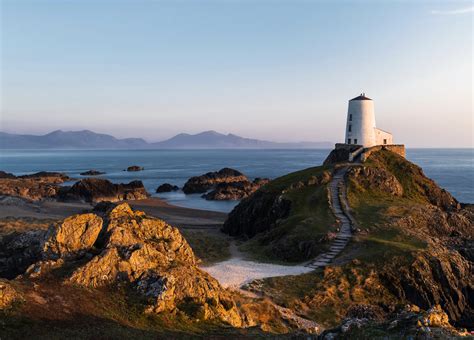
[(412, 247), (288, 219)]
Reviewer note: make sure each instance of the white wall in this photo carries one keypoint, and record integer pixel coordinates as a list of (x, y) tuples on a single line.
[(362, 125), (381, 135)]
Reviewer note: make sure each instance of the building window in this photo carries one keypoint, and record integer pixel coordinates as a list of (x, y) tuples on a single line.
[(349, 141), (350, 117), (350, 128), (355, 140), (385, 141)]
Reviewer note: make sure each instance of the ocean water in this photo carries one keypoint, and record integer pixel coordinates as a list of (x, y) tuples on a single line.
[(452, 169)]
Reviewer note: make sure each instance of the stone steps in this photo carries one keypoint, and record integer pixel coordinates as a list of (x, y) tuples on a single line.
[(339, 208)]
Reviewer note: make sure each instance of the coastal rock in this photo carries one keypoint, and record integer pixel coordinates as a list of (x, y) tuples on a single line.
[(74, 236), (166, 187), (203, 183), (8, 295), (18, 251), (4, 174), (256, 214), (135, 168), (59, 176), (32, 187), (98, 189), (263, 210), (408, 323), (235, 190), (379, 179), (92, 173), (155, 259)]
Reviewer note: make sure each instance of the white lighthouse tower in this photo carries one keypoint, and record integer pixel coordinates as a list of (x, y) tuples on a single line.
[(360, 127)]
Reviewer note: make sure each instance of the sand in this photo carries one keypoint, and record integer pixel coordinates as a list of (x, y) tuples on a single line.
[(237, 271)]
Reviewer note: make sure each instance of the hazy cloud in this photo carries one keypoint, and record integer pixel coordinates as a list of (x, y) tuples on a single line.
[(454, 11)]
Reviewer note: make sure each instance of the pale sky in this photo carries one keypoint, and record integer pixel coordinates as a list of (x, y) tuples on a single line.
[(276, 70)]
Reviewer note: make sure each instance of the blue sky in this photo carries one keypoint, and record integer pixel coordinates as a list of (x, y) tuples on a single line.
[(278, 70)]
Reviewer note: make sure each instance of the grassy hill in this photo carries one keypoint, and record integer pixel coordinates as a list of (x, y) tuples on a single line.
[(288, 219), (413, 244)]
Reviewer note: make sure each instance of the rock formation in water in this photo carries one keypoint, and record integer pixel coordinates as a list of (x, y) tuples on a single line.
[(92, 173), (203, 183), (135, 168), (166, 187), (98, 190), (235, 190)]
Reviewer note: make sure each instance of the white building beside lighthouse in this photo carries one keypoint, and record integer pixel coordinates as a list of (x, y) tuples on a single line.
[(360, 127)]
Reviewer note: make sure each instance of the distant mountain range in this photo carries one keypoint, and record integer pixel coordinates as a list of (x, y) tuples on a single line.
[(90, 140)]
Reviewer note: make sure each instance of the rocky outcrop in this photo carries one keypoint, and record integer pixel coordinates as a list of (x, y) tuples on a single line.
[(75, 236), (265, 208), (256, 214), (98, 190), (92, 173), (59, 176), (415, 184), (437, 276), (18, 251), (407, 323), (379, 179), (8, 295), (4, 174), (235, 190), (32, 187), (166, 187), (147, 254), (203, 183), (135, 168)]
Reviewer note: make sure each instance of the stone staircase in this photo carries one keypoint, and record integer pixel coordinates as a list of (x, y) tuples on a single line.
[(340, 208)]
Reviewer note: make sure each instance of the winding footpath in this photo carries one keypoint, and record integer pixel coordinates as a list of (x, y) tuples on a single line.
[(340, 208)]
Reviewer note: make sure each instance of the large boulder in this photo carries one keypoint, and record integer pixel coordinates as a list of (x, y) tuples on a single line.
[(146, 254), (235, 190), (74, 236), (99, 189), (203, 183)]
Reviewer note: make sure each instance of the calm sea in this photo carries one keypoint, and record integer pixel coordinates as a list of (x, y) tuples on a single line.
[(453, 169)]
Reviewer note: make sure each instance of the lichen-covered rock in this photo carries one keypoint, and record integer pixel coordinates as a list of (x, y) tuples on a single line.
[(203, 183), (8, 295), (408, 323), (74, 236), (18, 251), (370, 178), (153, 257)]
